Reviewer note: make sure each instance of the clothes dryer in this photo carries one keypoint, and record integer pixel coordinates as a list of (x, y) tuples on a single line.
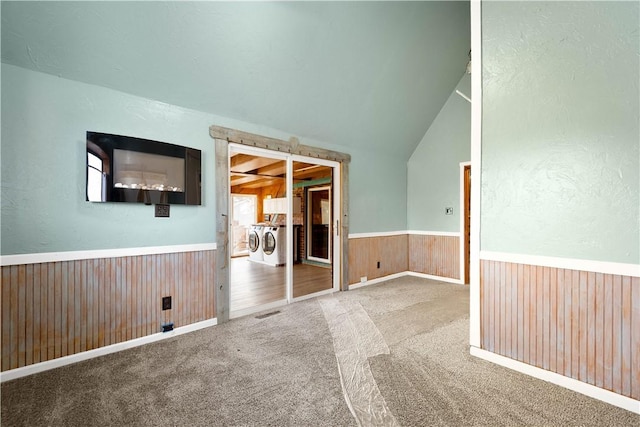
[(274, 245), (255, 243)]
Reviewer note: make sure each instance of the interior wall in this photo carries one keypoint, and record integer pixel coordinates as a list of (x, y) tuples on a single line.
[(433, 171), (559, 192), (56, 309), (44, 124), (377, 191), (560, 147), (44, 120)]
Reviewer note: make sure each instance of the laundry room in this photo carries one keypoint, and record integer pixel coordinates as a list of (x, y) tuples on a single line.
[(259, 241)]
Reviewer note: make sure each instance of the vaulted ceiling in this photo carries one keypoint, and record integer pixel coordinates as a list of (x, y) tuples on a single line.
[(368, 75)]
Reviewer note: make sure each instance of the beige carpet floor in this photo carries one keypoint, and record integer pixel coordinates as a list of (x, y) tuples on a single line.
[(394, 353)]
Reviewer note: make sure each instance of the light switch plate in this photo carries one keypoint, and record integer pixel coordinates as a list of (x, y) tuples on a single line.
[(448, 211)]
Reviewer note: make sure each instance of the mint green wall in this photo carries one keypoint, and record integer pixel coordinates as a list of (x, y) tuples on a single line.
[(560, 143), (434, 167), (357, 74), (44, 120), (378, 191)]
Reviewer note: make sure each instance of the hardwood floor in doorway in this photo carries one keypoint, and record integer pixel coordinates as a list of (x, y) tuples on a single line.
[(254, 284)]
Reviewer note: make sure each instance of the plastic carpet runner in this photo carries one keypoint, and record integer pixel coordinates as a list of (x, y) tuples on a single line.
[(355, 339)]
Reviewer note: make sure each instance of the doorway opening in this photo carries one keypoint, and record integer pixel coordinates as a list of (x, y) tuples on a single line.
[(289, 237), (291, 151)]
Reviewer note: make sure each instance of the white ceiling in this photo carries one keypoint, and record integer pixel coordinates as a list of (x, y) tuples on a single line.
[(358, 74)]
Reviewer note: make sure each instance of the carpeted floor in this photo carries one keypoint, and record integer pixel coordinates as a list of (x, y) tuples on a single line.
[(399, 348)]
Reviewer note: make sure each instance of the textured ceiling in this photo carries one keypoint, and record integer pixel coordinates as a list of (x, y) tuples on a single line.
[(361, 74)]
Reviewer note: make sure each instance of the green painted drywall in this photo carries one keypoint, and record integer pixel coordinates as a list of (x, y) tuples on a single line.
[(44, 124), (377, 192), (433, 171), (560, 141), (359, 74), (44, 120)]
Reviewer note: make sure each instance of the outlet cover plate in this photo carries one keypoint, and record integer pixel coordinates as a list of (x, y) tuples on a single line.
[(166, 303), (162, 211)]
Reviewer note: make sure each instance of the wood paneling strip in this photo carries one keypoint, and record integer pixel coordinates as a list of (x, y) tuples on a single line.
[(366, 252), (626, 336), (560, 323), (54, 309), (635, 332), (599, 330), (553, 319), (579, 324), (435, 255)]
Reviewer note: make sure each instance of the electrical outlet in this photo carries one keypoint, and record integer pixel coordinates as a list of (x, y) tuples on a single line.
[(378, 264), (166, 303), (162, 211), (448, 211), (363, 279)]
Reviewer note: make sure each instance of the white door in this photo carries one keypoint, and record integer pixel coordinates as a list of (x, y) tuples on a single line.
[(244, 213)]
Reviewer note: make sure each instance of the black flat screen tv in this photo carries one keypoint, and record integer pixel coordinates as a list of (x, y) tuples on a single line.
[(128, 169)]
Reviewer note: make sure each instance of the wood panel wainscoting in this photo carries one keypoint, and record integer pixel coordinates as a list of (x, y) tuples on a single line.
[(579, 324), (366, 252), (55, 309), (435, 255)]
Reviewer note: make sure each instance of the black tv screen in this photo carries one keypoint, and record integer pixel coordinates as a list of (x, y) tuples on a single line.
[(128, 169)]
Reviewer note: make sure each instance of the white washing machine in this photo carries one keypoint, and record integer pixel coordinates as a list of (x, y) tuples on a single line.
[(255, 243), (274, 245)]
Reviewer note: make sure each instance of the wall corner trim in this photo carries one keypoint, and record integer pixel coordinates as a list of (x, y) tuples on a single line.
[(402, 232), (434, 233), (604, 267), (19, 259), (601, 394), (377, 234), (101, 351)]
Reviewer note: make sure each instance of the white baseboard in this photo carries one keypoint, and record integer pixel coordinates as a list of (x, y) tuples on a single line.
[(377, 280), (578, 386), (402, 274), (90, 354), (438, 278)]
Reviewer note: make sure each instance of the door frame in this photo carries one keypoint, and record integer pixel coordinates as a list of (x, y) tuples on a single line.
[(292, 149), (309, 223), (465, 262)]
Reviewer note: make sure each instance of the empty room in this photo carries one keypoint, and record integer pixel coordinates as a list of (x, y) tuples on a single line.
[(294, 213)]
